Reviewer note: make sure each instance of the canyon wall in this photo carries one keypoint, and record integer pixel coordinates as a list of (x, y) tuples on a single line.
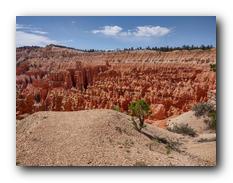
[(61, 79)]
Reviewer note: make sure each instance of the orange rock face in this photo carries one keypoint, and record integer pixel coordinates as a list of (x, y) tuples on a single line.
[(158, 111), (70, 80)]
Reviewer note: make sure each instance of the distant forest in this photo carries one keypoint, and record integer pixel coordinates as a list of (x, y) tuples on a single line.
[(162, 48)]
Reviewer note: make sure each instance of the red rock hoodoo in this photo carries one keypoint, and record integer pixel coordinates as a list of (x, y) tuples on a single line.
[(62, 79)]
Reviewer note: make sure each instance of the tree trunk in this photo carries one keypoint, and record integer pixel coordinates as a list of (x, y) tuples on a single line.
[(141, 122)]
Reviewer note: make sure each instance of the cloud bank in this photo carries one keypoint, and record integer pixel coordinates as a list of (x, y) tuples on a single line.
[(27, 35), (29, 39), (139, 31)]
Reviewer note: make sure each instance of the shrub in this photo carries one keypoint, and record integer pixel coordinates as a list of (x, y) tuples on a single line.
[(139, 109), (213, 119), (168, 149), (206, 109), (183, 129), (213, 67), (202, 109)]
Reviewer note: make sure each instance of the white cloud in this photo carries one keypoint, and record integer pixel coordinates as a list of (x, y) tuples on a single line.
[(108, 30), (21, 26), (27, 35), (30, 29), (140, 31), (38, 32), (30, 39), (151, 31)]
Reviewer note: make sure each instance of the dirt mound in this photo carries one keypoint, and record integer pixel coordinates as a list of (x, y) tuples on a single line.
[(189, 118), (91, 138)]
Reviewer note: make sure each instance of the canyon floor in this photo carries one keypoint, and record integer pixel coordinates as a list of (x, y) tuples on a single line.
[(103, 137)]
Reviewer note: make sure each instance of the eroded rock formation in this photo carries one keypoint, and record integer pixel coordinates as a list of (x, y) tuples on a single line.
[(60, 79)]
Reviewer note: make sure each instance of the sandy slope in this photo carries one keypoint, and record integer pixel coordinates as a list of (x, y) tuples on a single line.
[(197, 123), (94, 138)]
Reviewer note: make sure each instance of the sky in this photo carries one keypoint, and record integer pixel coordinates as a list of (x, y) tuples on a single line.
[(113, 32)]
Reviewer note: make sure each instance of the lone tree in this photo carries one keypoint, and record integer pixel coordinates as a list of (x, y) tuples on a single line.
[(139, 109)]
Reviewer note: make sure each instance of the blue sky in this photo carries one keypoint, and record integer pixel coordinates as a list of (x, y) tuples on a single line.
[(111, 32)]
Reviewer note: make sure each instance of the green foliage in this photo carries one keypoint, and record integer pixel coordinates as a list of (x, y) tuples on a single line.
[(169, 48), (206, 109), (213, 67), (155, 48), (202, 109), (183, 129), (168, 149), (116, 108), (213, 119), (139, 109)]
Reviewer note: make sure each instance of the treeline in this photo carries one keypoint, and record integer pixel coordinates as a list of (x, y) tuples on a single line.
[(170, 48), (155, 48), (162, 48), (28, 47)]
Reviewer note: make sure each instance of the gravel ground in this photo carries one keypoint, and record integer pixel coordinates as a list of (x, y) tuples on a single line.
[(95, 138)]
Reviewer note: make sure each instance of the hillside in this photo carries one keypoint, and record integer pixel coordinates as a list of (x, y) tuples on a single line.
[(62, 79), (101, 138)]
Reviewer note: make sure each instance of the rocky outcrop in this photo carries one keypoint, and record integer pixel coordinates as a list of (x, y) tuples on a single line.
[(70, 80), (158, 111)]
